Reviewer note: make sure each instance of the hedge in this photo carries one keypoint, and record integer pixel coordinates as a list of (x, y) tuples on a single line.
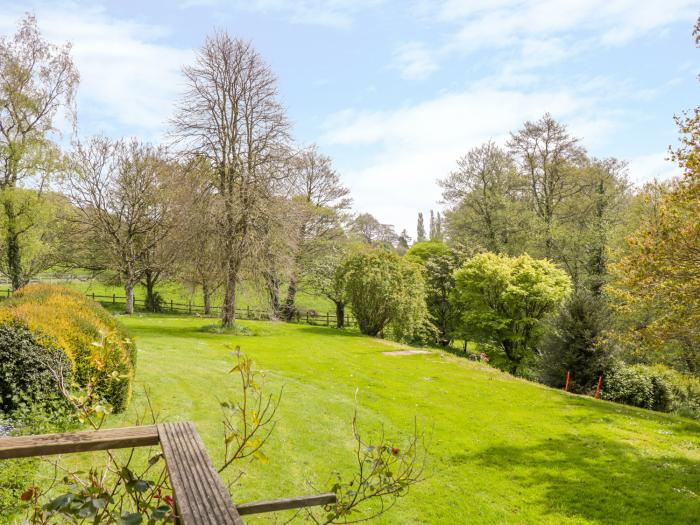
[(96, 344), (653, 386)]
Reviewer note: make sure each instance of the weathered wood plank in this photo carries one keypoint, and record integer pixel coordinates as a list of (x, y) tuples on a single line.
[(200, 495), (275, 505), (48, 444)]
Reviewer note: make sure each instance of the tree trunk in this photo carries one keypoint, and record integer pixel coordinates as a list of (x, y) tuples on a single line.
[(206, 294), (340, 314), (289, 303), (151, 280), (129, 292), (228, 311), (273, 293), (13, 249)]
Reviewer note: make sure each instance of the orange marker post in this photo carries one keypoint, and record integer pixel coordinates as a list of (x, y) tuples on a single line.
[(600, 380), (566, 387)]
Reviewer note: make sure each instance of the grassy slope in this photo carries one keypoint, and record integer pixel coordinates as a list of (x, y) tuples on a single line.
[(503, 450)]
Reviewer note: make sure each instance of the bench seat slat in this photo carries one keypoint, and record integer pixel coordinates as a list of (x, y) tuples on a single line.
[(105, 439), (200, 495)]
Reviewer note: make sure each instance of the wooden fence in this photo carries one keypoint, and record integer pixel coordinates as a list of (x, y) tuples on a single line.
[(310, 317)]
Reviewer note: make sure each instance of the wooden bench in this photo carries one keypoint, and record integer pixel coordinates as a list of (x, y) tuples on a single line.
[(200, 495)]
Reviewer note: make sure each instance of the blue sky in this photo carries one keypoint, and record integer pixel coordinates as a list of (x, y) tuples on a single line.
[(396, 91)]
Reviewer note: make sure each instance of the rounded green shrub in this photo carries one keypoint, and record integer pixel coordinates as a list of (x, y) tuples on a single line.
[(655, 387), (27, 370)]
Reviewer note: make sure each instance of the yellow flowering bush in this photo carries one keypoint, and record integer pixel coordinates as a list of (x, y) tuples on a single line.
[(95, 343)]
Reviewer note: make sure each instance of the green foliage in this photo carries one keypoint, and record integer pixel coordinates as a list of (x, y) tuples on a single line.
[(26, 367), (503, 301), (438, 263), (93, 341), (385, 290), (571, 343), (654, 387)]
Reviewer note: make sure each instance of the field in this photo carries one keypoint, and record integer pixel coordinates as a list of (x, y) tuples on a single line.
[(503, 450)]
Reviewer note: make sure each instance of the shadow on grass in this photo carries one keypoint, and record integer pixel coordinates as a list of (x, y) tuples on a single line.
[(602, 480)]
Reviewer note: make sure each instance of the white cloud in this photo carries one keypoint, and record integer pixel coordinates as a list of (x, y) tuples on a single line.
[(332, 13), (654, 166), (129, 79), (421, 143), (544, 32), (414, 61)]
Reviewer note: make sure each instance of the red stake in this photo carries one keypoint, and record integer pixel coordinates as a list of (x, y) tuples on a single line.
[(600, 380), (566, 388)]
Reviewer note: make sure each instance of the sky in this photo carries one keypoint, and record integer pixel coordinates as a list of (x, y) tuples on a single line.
[(395, 91)]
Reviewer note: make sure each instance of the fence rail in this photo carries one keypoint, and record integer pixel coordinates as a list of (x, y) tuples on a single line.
[(310, 317)]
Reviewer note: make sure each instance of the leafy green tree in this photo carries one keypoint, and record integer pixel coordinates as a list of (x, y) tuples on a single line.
[(37, 80), (572, 343), (438, 263), (657, 275), (486, 204), (326, 277), (385, 291), (503, 300)]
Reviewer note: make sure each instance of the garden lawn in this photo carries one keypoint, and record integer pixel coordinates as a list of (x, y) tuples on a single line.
[(503, 450)]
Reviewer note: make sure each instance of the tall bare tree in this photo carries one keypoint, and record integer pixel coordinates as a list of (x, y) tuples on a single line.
[(121, 193), (230, 116), (37, 80), (319, 201), (550, 158)]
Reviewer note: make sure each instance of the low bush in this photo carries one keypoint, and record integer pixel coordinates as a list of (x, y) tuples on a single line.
[(655, 387), (26, 368), (97, 346)]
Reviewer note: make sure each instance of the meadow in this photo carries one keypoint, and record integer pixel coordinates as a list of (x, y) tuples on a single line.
[(503, 450)]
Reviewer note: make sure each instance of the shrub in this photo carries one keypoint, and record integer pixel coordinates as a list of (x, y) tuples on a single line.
[(571, 344), (386, 291), (26, 367), (655, 387), (94, 342)]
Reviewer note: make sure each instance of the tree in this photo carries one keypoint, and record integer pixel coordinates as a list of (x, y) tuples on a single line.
[(37, 79), (504, 300), (657, 285), (229, 115), (403, 242), (549, 158), (319, 201), (572, 343), (326, 277), (120, 193), (420, 229), (369, 230), (485, 195), (438, 263), (385, 290)]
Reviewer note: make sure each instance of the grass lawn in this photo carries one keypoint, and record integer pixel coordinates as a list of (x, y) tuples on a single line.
[(503, 450)]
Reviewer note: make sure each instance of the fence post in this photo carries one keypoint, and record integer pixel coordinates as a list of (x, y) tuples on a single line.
[(307, 317), (248, 308), (171, 306), (8, 292), (93, 296), (190, 307), (114, 298), (328, 318)]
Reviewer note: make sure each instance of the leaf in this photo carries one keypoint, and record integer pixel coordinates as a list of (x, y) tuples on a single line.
[(260, 457), (59, 502), (133, 518), (138, 485)]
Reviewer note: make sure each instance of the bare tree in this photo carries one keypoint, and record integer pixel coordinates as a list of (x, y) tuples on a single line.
[(368, 229), (549, 158), (319, 201), (230, 116), (485, 198), (120, 192), (37, 79)]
